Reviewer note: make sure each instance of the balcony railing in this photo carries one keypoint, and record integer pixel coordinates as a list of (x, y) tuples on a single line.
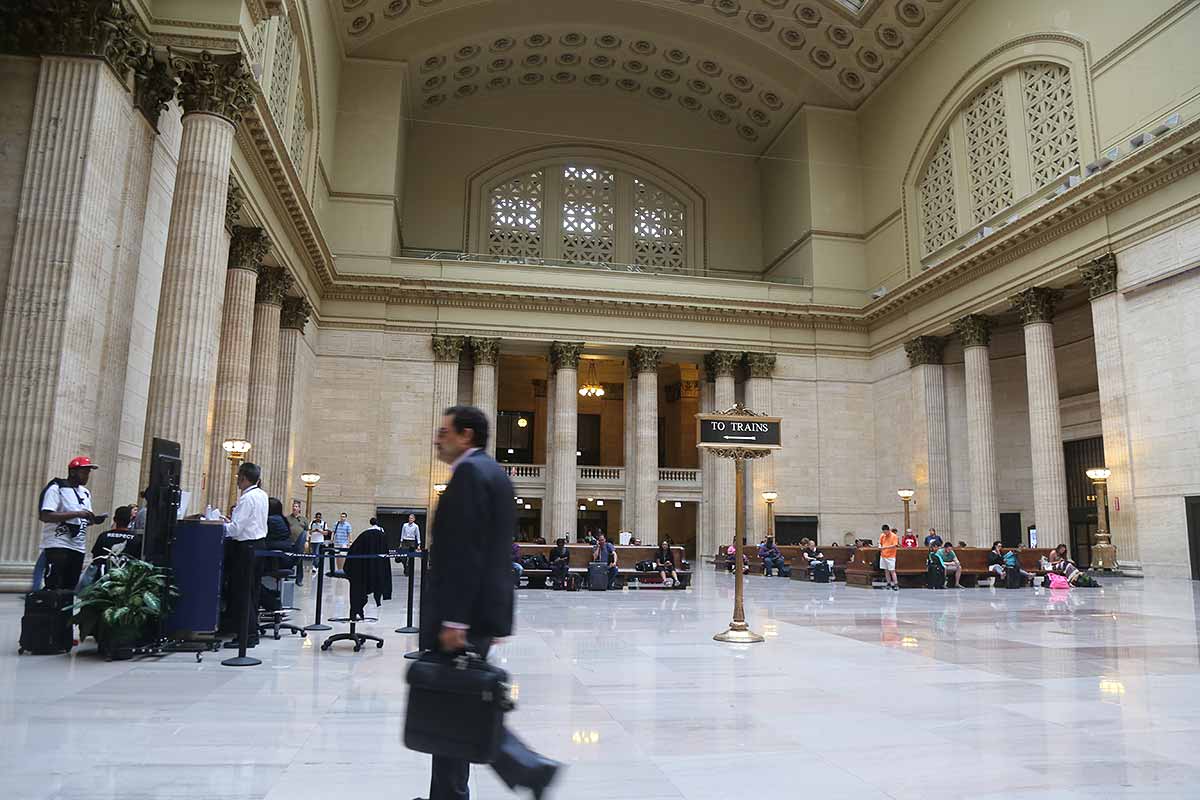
[(602, 475), (525, 470), (679, 476)]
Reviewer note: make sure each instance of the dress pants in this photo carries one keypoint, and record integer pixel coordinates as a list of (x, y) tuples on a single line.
[(64, 567), (516, 764)]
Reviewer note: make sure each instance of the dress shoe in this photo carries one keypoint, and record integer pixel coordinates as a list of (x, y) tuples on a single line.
[(547, 772)]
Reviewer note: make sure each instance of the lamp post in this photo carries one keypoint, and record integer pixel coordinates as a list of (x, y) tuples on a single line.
[(236, 450), (906, 495), (770, 498), (309, 479), (1104, 553)]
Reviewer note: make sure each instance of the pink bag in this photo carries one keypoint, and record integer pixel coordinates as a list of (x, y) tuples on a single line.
[(1058, 581)]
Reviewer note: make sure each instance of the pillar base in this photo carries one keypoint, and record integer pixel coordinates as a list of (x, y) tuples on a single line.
[(738, 633), (16, 576)]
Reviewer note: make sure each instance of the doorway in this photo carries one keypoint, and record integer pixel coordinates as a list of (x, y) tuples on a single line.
[(392, 518), (1193, 529), (791, 528), (1010, 530)]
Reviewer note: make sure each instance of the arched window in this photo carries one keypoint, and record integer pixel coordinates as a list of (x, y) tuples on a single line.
[(587, 211)]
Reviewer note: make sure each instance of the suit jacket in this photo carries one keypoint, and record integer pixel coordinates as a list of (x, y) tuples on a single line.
[(471, 554), (368, 576)]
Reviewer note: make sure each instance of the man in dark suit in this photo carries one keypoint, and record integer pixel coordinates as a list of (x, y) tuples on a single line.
[(470, 598)]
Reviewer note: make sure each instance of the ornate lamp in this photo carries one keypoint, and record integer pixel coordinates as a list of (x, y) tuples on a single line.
[(591, 387), (906, 495), (236, 450), (309, 479), (1104, 553), (770, 498)]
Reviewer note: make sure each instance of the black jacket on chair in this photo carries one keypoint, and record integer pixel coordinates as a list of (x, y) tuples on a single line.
[(471, 579), (368, 576)]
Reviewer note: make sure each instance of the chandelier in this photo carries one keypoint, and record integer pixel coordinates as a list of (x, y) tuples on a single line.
[(591, 387)]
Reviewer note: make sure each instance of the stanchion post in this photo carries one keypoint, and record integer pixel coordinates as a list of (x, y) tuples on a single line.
[(412, 655), (408, 626), (241, 659), (320, 562)]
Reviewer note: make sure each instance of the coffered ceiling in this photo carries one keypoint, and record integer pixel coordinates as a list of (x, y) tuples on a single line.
[(740, 65)]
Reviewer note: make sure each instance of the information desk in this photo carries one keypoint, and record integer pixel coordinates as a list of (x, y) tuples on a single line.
[(197, 556)]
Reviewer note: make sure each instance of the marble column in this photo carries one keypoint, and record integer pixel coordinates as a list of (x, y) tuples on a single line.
[(975, 333), (447, 350), (707, 543), (1101, 279), (723, 363), (483, 382), (1036, 307), (50, 313), (293, 317), (760, 473), (645, 361), (262, 406), (548, 532), (629, 504), (247, 248), (930, 456), (563, 497), (214, 90)]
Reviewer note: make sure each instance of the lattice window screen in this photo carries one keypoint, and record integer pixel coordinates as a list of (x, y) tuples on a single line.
[(1049, 121), (659, 228), (299, 132), (939, 223), (258, 41), (281, 72), (515, 216), (588, 214), (989, 164)]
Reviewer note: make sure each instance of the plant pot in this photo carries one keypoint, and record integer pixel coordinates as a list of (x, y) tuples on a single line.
[(118, 644)]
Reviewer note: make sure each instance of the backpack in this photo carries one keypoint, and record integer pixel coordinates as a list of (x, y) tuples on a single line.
[(819, 572), (1086, 581), (935, 574), (644, 566), (535, 561)]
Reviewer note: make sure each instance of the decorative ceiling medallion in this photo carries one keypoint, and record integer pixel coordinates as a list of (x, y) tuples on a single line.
[(710, 68), (467, 52), (719, 116), (568, 59), (350, 5), (760, 21), (362, 24), (667, 75), (396, 8), (851, 80), (771, 100), (728, 8), (531, 78), (573, 39), (870, 60), (840, 36), (534, 60), (466, 71), (634, 66), (434, 82), (659, 92), (690, 103), (747, 133), (822, 57), (608, 41), (500, 64), (596, 79), (792, 37), (643, 47), (537, 40), (601, 61), (698, 86), (500, 82), (889, 37), (434, 100), (759, 117), (428, 3), (503, 44), (466, 90), (741, 83), (563, 77), (676, 56), (628, 84), (910, 13), (808, 15), (432, 63), (776, 3), (730, 99)]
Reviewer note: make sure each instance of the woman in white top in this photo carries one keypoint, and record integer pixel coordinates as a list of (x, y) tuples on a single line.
[(316, 536)]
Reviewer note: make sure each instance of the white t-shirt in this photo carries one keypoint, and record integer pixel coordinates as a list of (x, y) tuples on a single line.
[(72, 534), (316, 533)]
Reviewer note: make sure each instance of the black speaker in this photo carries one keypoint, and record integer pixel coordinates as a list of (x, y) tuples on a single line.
[(162, 501)]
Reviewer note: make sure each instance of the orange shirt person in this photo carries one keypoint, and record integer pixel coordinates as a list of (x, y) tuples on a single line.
[(888, 542)]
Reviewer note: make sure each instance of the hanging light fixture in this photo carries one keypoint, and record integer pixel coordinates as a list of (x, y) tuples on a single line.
[(591, 387)]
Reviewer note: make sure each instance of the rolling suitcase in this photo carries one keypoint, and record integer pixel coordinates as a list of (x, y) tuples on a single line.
[(46, 628), (935, 574), (1013, 579), (456, 707), (598, 576)]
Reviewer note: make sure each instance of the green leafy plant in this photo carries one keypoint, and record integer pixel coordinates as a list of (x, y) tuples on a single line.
[(125, 602)]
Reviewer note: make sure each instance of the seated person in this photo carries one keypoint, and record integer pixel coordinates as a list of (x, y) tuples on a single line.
[(664, 562), (909, 539), (933, 540), (560, 563), (1060, 562), (950, 561), (119, 534), (604, 552), (811, 555), (731, 557), (518, 570), (996, 564), (772, 559), (1013, 561)]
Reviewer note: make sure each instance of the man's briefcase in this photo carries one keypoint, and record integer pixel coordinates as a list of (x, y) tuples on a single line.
[(456, 707)]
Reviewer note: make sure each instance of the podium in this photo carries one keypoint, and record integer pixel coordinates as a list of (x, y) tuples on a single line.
[(197, 558)]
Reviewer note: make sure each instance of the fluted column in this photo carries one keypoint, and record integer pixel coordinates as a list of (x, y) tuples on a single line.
[(214, 90), (645, 361), (1036, 307), (760, 473), (629, 505), (273, 284), (446, 353), (247, 248), (483, 382), (1101, 279), (930, 458), (707, 543), (563, 499), (50, 310), (975, 332), (723, 363), (548, 532), (293, 317)]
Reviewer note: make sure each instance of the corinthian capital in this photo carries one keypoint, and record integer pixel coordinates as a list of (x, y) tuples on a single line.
[(485, 351), (565, 355), (273, 284), (722, 363), (295, 313), (924, 350), (447, 348), (975, 330), (1100, 276), (645, 359), (96, 28), (1036, 304), (153, 86), (248, 247), (761, 365), (213, 84)]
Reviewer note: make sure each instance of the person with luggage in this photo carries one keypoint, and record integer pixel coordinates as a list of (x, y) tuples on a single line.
[(470, 602), (814, 561), (605, 553), (888, 544), (65, 511), (119, 534), (560, 564), (1016, 574), (664, 562), (950, 562), (771, 558)]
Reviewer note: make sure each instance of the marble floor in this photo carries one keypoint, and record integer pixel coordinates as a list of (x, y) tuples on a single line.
[(855, 694)]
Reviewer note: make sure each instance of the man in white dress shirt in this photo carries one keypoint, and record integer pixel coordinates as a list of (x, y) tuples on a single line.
[(248, 531)]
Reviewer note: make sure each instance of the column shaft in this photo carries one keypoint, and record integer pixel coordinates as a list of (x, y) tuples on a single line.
[(981, 447), (232, 403), (483, 383), (548, 531), (564, 502), (725, 502), (445, 395), (706, 544), (647, 456), (929, 405), (283, 453), (1045, 432), (759, 472), (629, 504)]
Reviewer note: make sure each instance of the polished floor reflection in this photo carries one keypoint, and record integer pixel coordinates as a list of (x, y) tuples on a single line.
[(855, 694)]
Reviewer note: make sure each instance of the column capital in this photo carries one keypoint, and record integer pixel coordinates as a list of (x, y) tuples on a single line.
[(1100, 275), (645, 359), (565, 355), (87, 28), (761, 365), (213, 83), (1036, 304), (273, 283), (925, 350), (722, 363), (248, 246), (975, 330), (234, 198), (153, 86), (447, 348), (485, 351), (295, 313)]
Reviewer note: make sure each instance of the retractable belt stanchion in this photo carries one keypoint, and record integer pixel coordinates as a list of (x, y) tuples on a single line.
[(408, 625), (241, 659), (320, 562), (415, 654)]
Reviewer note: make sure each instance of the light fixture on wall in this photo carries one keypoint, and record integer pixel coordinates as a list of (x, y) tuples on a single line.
[(528, 507), (583, 508), (591, 387)]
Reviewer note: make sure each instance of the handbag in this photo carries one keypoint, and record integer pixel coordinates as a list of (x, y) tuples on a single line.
[(456, 706)]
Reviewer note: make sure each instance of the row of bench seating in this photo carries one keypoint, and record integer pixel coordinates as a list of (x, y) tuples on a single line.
[(864, 570), (627, 557), (838, 554)]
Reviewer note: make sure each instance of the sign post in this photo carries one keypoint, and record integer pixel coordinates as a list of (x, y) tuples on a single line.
[(740, 434)]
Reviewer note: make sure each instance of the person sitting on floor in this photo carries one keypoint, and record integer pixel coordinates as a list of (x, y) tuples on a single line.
[(560, 563), (771, 558), (950, 561), (1060, 562), (664, 562)]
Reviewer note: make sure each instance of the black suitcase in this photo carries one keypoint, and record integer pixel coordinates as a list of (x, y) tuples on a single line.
[(598, 576), (935, 575), (1013, 579), (46, 628), (456, 707), (819, 572)]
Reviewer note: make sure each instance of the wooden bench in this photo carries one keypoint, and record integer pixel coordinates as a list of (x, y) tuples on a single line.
[(627, 557), (838, 554), (911, 565)]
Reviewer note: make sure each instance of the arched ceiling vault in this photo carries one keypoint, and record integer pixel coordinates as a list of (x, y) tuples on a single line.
[(743, 65)]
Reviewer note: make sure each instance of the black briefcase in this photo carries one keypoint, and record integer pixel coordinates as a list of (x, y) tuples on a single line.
[(456, 707)]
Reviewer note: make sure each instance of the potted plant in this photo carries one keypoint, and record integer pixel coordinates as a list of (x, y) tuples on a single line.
[(123, 607)]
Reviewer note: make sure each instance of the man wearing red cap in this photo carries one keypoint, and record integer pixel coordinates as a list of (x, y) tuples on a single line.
[(65, 511)]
